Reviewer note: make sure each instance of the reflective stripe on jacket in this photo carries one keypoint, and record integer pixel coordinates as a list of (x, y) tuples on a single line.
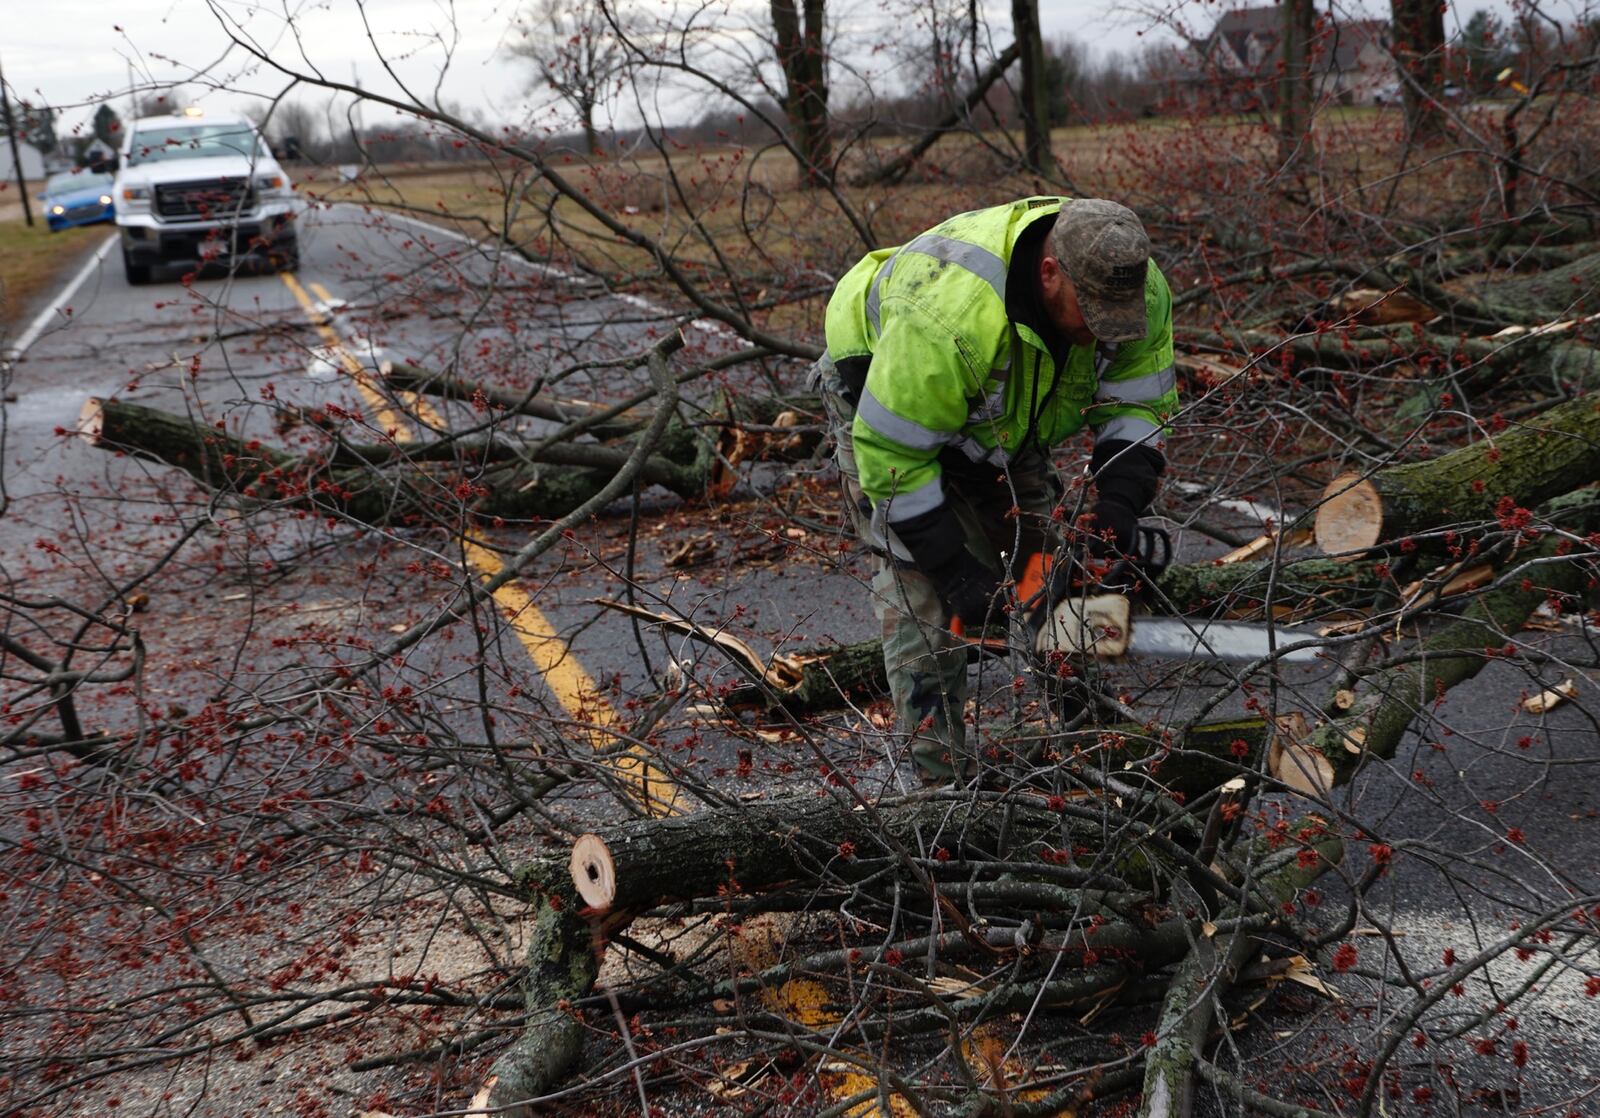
[(950, 369)]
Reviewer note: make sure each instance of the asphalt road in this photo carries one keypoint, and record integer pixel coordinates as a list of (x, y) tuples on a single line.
[(245, 604)]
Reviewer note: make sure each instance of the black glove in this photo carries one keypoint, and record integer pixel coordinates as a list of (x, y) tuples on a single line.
[(1126, 474), (938, 548), (967, 588), (1115, 530)]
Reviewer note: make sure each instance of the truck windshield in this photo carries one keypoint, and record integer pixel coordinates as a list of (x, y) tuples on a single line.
[(194, 141)]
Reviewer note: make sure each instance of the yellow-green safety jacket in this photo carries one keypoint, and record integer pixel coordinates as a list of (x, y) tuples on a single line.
[(950, 369)]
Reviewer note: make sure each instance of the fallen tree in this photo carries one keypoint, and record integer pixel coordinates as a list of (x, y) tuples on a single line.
[(493, 474), (973, 863), (1543, 456)]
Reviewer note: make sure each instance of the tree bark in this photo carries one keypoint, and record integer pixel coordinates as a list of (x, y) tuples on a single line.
[(1035, 96), (1547, 455), (383, 484), (1295, 93), (634, 867), (802, 55), (561, 968), (1418, 31)]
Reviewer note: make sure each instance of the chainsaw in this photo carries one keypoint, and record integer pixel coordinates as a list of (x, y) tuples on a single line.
[(1066, 610)]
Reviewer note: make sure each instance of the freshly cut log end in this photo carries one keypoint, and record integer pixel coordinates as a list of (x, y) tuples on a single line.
[(92, 419), (1296, 763), (1350, 517), (594, 873)]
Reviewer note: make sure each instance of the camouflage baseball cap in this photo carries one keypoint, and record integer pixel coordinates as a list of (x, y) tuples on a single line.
[(1103, 249)]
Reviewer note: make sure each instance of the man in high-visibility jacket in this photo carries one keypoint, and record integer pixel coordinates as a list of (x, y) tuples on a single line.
[(954, 364)]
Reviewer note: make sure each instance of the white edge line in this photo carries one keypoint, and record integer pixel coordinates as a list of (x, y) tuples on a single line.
[(42, 319)]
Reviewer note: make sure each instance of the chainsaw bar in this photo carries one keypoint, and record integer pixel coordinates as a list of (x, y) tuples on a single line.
[(1103, 626), (1173, 638)]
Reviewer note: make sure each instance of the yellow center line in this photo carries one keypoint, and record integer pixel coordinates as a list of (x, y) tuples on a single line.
[(389, 420), (571, 685), (575, 689), (418, 404)]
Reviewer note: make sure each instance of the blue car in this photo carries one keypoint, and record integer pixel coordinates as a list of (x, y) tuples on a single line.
[(77, 198)]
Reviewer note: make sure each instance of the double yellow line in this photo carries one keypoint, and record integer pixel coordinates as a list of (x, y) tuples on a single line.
[(566, 678)]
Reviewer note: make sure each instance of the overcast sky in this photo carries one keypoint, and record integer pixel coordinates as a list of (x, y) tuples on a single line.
[(74, 51)]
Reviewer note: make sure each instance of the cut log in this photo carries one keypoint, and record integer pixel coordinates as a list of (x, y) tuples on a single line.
[(1551, 453), (213, 457), (637, 866)]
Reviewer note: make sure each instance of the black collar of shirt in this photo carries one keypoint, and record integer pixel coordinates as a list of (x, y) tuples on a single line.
[(1024, 300)]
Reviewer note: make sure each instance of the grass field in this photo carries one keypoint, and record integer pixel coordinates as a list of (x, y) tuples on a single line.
[(33, 260)]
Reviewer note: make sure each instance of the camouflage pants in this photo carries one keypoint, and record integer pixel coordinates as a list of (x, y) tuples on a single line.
[(927, 669)]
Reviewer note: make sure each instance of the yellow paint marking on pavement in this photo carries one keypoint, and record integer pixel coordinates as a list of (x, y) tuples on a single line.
[(572, 687), (575, 689), (397, 426), (807, 1002), (418, 405)]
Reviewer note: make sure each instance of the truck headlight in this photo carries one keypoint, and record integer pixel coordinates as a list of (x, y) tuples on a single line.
[(135, 193), (269, 183)]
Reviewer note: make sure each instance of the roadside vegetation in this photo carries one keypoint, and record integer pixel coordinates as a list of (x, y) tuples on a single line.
[(34, 262)]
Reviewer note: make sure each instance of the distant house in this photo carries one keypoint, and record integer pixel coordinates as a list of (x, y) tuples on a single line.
[(32, 166), (1236, 65)]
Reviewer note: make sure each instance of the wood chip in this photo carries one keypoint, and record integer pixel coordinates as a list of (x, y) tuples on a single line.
[(1295, 764), (693, 552), (1551, 698), (1301, 971), (1464, 581), (1369, 306)]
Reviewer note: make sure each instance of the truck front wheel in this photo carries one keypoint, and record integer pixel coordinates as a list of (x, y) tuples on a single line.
[(138, 274)]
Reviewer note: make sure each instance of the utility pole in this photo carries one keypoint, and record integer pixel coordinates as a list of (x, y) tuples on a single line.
[(16, 153)]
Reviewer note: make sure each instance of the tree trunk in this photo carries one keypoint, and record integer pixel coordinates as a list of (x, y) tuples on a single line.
[(802, 56), (633, 867), (1036, 151), (561, 969), (1295, 92), (384, 484), (1551, 453), (1418, 30)]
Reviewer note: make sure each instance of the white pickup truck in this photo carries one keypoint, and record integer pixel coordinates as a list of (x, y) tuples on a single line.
[(201, 187)]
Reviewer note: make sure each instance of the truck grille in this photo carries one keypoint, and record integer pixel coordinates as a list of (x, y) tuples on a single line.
[(205, 199)]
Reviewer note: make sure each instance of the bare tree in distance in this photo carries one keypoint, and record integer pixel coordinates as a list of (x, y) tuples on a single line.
[(800, 43), (1296, 86), (1419, 50), (574, 53), (1033, 94)]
